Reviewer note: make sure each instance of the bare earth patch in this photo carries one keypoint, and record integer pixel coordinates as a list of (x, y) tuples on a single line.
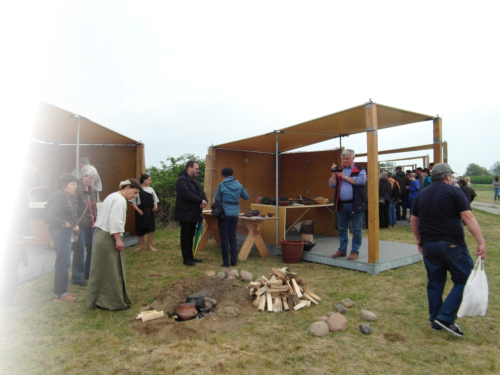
[(234, 305)]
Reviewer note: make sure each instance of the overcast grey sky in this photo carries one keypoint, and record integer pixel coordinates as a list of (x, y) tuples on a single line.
[(182, 75)]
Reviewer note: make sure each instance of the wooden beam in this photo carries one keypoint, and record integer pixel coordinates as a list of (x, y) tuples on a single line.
[(210, 176), (140, 161), (438, 140), (372, 174), (399, 159), (397, 150), (445, 152)]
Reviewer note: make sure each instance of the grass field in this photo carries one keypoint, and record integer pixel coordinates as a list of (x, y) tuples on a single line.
[(484, 193), (41, 337)]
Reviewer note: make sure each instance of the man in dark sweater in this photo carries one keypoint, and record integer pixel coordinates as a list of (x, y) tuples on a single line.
[(404, 186), (436, 221)]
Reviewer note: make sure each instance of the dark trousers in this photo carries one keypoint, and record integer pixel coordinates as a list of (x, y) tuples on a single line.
[(401, 205), (383, 214), (81, 264), (188, 230), (227, 232), (62, 247), (10, 271)]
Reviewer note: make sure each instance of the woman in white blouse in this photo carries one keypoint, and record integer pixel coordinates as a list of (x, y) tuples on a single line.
[(145, 206), (107, 288)]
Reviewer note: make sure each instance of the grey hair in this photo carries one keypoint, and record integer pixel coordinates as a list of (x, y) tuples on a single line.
[(383, 175), (440, 176), (348, 152), (88, 170)]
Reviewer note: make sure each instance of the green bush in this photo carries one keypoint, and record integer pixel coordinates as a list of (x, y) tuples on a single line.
[(486, 180)]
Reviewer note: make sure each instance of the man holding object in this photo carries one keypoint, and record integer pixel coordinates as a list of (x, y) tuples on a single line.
[(436, 221), (350, 202)]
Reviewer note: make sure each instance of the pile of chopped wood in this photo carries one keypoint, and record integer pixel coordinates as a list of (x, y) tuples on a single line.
[(283, 291)]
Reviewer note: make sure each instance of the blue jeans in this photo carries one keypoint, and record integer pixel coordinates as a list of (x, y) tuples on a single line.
[(62, 247), (440, 258), (227, 231), (497, 193), (392, 213), (344, 215), (81, 265)]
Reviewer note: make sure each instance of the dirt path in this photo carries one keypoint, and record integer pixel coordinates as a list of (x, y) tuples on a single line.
[(493, 208)]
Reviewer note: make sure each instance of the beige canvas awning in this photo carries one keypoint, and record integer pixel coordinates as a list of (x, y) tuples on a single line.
[(54, 125), (347, 122)]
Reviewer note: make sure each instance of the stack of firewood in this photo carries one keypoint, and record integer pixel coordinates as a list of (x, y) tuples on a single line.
[(283, 291)]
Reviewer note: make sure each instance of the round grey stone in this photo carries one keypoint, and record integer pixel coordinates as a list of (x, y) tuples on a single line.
[(319, 329)]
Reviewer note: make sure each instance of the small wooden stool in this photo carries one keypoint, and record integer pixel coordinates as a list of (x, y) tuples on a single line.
[(22, 252)]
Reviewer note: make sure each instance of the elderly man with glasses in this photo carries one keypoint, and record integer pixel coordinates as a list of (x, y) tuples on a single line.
[(350, 202)]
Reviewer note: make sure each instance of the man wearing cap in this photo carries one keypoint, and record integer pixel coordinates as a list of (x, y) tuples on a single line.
[(436, 222), (350, 202), (97, 185), (35, 183)]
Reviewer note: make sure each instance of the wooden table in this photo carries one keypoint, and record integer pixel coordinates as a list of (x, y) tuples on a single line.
[(22, 252), (323, 214), (251, 227)]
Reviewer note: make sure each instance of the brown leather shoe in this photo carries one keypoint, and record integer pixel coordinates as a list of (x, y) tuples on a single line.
[(338, 254), (352, 256)]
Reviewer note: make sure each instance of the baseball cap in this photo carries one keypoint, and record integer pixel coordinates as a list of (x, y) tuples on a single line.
[(442, 168)]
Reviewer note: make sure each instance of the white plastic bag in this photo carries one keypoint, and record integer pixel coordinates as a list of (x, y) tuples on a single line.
[(475, 299)]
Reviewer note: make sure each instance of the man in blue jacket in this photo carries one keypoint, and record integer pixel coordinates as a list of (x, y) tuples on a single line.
[(230, 191), (350, 202)]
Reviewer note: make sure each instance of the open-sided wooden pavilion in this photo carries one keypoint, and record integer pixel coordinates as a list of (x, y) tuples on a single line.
[(53, 150), (265, 166)]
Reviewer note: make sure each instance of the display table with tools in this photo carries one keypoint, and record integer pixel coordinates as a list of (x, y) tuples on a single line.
[(251, 226), (322, 214)]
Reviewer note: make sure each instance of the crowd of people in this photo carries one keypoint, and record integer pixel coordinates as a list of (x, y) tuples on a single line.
[(96, 237)]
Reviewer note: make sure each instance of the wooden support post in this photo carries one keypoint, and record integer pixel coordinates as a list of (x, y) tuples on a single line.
[(445, 152), (438, 140), (209, 175), (140, 161), (372, 174)]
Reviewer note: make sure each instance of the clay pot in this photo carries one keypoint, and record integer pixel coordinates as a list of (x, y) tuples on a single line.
[(255, 212), (259, 199), (187, 311), (270, 214)]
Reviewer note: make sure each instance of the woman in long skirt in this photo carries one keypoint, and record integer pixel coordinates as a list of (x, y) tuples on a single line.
[(145, 206), (107, 287)]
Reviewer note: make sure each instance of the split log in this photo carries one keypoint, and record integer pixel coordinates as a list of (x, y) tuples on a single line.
[(261, 291), (269, 302), (150, 315), (262, 303), (307, 296), (274, 283), (273, 278), (285, 304), (279, 273), (309, 291), (277, 307), (296, 288), (300, 305)]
